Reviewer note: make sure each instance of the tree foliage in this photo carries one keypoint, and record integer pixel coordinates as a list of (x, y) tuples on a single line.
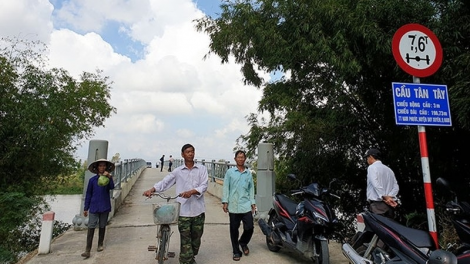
[(44, 113), (333, 100), (21, 223)]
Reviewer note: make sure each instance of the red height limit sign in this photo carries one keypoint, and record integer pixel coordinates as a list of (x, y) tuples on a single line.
[(419, 53), (417, 50)]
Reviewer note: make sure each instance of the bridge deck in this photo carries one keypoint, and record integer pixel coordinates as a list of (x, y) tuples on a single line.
[(132, 230)]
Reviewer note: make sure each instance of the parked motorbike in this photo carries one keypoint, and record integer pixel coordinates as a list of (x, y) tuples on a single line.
[(392, 242), (301, 227), (460, 218), (362, 237)]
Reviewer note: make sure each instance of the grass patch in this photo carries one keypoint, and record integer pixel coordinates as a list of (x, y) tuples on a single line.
[(67, 185)]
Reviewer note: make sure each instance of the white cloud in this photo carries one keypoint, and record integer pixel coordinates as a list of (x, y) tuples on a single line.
[(79, 53), (184, 133), (234, 126), (92, 15), (26, 19), (168, 97), (143, 125)]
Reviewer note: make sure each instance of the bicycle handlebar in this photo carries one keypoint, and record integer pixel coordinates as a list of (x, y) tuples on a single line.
[(164, 196)]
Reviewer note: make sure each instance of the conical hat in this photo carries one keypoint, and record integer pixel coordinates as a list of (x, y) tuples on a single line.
[(94, 166)]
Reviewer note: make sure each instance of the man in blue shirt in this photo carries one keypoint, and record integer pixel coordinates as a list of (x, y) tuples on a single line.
[(239, 201)]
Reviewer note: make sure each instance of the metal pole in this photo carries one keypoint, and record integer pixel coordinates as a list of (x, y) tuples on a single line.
[(427, 179), (118, 173), (213, 170), (126, 171)]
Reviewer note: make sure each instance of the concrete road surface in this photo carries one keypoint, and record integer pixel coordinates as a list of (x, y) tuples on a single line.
[(132, 230)]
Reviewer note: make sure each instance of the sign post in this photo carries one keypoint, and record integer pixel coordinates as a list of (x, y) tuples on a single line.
[(419, 53)]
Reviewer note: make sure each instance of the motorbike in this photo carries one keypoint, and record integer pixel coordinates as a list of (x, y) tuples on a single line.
[(460, 211), (392, 242), (301, 227)]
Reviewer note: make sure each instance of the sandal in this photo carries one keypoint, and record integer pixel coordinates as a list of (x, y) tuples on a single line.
[(236, 257), (246, 250)]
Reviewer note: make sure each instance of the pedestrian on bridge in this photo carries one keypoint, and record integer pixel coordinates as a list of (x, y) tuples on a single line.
[(98, 202), (170, 162), (191, 184), (162, 160), (238, 201)]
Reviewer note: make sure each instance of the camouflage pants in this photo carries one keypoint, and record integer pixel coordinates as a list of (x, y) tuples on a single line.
[(191, 229)]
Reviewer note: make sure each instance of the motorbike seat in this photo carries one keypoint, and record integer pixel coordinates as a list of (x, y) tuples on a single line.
[(288, 204), (417, 237)]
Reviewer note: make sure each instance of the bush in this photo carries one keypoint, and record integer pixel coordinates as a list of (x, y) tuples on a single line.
[(20, 230)]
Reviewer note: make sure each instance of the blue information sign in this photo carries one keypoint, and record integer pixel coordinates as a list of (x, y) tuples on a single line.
[(421, 104)]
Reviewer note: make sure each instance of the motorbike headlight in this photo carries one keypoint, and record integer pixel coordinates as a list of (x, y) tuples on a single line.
[(319, 219)]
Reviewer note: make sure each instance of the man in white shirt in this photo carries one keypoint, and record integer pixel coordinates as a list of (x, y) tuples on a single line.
[(191, 183), (170, 163), (382, 186)]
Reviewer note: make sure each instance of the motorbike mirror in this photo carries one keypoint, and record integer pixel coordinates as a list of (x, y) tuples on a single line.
[(333, 180), (443, 182), (291, 177)]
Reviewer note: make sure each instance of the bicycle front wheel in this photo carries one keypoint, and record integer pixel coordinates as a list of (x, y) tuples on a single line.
[(163, 244)]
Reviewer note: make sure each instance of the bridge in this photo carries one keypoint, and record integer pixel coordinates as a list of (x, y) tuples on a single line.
[(131, 228)]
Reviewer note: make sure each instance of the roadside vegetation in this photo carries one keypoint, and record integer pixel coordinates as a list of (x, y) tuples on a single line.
[(69, 184), (44, 112), (331, 98), (331, 102)]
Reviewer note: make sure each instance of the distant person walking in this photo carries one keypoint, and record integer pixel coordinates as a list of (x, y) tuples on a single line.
[(238, 200), (98, 202), (191, 184), (170, 162), (162, 159)]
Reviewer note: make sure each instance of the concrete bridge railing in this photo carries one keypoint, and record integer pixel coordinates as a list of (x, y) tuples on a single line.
[(127, 172), (265, 178), (125, 175), (216, 171)]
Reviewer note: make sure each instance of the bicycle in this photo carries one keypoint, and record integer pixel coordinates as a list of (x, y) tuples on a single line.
[(164, 215)]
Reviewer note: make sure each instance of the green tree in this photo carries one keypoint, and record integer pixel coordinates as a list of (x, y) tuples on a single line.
[(333, 100), (44, 113)]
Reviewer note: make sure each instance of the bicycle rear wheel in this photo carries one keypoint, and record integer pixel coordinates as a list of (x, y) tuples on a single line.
[(163, 244)]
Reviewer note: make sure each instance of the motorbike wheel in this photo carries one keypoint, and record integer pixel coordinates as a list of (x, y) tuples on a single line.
[(269, 242), (163, 245), (323, 256)]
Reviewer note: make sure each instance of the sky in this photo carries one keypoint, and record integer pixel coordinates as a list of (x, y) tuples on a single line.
[(165, 93)]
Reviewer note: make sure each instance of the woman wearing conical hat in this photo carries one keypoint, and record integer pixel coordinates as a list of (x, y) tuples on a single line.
[(98, 202)]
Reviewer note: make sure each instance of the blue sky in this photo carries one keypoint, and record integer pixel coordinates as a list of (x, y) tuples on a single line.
[(123, 43), (166, 95), (209, 7)]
